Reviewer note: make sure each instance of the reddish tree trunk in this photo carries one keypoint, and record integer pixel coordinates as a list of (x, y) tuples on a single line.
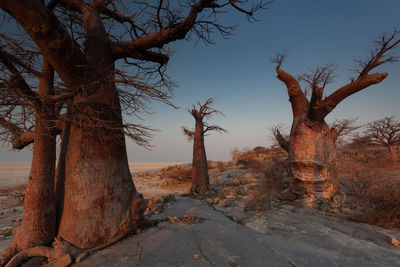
[(312, 159), (39, 215), (100, 202), (312, 151), (39, 218), (200, 179)]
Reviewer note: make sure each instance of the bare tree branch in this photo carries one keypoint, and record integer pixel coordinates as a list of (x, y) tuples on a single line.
[(296, 96), (214, 128), (343, 128), (378, 57), (282, 140)]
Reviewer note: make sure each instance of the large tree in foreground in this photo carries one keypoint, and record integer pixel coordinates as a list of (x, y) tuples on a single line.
[(200, 179), (96, 201), (312, 152)]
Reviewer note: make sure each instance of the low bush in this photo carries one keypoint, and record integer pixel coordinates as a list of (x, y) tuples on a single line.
[(273, 180), (183, 173), (372, 183)]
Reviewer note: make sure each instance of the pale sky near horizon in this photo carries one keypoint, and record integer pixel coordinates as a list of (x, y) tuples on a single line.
[(237, 73)]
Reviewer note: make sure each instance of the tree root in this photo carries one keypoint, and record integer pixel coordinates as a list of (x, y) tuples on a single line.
[(40, 251), (61, 254), (9, 252)]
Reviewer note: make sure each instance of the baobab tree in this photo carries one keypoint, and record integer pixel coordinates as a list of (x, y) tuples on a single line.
[(312, 151), (84, 42), (385, 132), (29, 115), (200, 179)]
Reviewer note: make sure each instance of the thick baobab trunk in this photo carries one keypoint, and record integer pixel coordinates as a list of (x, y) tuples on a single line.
[(200, 179), (100, 203), (312, 152), (312, 159)]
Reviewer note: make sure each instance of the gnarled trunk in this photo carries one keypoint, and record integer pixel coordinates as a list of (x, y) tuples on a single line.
[(312, 159), (312, 151), (200, 179)]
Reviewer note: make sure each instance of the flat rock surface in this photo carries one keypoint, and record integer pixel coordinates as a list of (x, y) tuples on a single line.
[(284, 237)]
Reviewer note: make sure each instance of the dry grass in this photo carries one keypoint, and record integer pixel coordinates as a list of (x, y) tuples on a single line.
[(181, 173), (372, 183)]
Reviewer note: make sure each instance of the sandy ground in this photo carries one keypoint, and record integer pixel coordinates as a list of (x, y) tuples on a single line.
[(14, 174)]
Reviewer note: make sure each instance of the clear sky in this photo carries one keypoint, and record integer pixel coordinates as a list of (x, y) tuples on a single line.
[(238, 75)]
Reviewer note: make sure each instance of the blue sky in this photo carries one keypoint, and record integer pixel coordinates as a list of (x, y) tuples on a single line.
[(238, 75)]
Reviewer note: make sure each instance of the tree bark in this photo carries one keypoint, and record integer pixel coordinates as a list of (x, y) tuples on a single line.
[(99, 199), (312, 160), (200, 179), (39, 215)]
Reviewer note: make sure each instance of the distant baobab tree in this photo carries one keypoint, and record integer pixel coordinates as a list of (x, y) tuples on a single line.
[(342, 128), (312, 151), (200, 179), (91, 45), (385, 132)]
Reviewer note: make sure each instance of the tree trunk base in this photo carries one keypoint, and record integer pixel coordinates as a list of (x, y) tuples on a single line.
[(60, 254), (200, 191), (317, 195), (63, 253)]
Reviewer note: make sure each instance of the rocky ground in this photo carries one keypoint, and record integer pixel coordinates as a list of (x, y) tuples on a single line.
[(242, 222)]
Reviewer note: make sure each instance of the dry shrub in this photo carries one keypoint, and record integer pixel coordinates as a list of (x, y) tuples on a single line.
[(272, 182), (182, 173), (373, 183), (253, 164), (221, 166), (384, 200)]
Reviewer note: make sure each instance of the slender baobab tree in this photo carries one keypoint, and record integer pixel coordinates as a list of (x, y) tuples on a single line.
[(39, 223), (87, 43), (312, 151), (200, 179)]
